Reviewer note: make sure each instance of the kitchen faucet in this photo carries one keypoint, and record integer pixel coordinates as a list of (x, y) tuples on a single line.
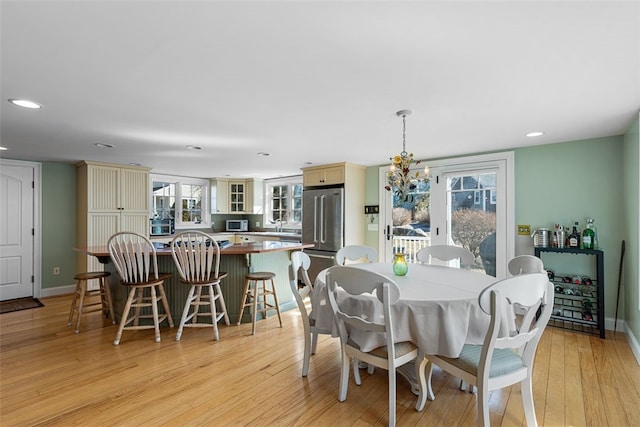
[(278, 223)]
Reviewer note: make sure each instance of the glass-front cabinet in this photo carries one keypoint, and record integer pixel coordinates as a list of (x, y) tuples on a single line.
[(237, 196)]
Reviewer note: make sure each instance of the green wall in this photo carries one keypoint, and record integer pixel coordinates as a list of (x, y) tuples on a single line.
[(58, 223), (572, 181), (631, 279)]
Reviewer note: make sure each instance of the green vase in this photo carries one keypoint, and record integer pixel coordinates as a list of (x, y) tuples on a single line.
[(400, 266)]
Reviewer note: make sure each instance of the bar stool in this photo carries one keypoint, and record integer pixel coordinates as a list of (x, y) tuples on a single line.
[(259, 291), (81, 306)]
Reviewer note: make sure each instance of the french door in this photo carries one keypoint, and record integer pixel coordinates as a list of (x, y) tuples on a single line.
[(466, 202)]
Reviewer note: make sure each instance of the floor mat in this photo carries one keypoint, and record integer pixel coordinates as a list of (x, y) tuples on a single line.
[(19, 304)]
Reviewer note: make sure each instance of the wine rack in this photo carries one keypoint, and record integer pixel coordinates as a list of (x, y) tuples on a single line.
[(577, 306)]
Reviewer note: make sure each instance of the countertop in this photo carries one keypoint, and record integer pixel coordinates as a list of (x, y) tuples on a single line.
[(237, 249)]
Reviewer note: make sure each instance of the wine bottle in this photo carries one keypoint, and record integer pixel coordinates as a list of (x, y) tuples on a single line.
[(588, 236), (574, 237)]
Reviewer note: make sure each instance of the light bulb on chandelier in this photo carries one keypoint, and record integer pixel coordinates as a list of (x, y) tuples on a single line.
[(400, 180)]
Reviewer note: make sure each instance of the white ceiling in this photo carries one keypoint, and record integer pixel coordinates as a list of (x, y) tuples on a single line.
[(310, 81)]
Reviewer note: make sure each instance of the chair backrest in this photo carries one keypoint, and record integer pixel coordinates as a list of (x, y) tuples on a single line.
[(356, 253), (525, 264), (529, 291), (134, 256), (196, 255), (446, 253), (299, 267), (357, 281)]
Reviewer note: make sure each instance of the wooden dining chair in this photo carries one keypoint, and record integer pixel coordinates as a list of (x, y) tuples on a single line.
[(507, 354), (525, 264), (446, 253), (134, 256), (298, 269), (356, 253), (197, 258), (358, 282)]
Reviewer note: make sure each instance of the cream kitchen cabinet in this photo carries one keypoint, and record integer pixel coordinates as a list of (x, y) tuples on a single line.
[(219, 196), (324, 175), (237, 196), (111, 198)]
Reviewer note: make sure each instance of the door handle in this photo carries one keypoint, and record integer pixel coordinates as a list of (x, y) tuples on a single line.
[(388, 232)]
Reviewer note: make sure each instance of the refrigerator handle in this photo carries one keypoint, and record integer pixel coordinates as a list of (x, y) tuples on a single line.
[(388, 232), (323, 237), (315, 219)]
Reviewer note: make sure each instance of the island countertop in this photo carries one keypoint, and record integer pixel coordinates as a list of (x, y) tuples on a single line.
[(236, 249)]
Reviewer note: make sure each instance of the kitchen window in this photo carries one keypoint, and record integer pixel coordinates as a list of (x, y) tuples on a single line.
[(284, 201), (181, 198)]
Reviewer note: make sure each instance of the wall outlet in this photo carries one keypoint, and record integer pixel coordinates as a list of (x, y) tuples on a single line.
[(56, 271), (257, 223)]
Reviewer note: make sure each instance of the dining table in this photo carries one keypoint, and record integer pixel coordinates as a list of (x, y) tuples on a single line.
[(438, 308)]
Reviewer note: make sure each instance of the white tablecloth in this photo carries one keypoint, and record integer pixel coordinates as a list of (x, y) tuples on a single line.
[(438, 308)]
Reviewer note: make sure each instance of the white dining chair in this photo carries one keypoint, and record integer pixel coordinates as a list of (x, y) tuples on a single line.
[(358, 282), (508, 351), (446, 253), (298, 269), (197, 258), (356, 253), (525, 264)]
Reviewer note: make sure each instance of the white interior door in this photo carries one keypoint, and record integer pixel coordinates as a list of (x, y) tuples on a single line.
[(16, 231)]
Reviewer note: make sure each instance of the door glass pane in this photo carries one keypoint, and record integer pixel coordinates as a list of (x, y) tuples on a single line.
[(412, 222), (471, 217)]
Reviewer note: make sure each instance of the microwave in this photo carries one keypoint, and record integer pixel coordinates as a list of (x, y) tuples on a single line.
[(161, 227), (237, 225)]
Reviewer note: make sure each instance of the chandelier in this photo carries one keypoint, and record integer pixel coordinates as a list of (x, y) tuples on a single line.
[(400, 180)]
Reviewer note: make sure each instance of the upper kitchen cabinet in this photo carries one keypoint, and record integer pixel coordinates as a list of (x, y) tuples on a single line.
[(237, 196), (332, 174), (111, 198)]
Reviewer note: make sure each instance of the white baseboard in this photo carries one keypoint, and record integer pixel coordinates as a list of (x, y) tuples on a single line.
[(609, 324), (60, 290), (633, 343)]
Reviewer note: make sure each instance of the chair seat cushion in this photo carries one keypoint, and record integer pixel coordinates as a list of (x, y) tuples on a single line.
[(401, 348), (504, 360)]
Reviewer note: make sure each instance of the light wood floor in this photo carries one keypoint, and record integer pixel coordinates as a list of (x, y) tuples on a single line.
[(50, 376)]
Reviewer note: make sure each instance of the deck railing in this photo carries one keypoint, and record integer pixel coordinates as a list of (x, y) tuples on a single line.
[(410, 245)]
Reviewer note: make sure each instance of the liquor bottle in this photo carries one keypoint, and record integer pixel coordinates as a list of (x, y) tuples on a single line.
[(588, 236), (574, 237)]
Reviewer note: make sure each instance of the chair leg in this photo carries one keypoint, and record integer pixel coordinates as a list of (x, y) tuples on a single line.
[(83, 289), (138, 301), (214, 320), (73, 303), (185, 313), (244, 300), (314, 342), (392, 397), (165, 304), (154, 309), (307, 353), (104, 281), (275, 299), (344, 377), (223, 305), (125, 314), (356, 371), (196, 302), (483, 404), (527, 401), (256, 292)]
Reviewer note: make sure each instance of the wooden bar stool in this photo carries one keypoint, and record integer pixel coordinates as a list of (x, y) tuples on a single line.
[(259, 292), (80, 303)]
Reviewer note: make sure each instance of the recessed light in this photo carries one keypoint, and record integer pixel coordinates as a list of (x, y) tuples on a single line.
[(25, 103), (101, 145), (534, 134), (3, 148), (308, 163), (135, 164), (194, 147), (263, 154)]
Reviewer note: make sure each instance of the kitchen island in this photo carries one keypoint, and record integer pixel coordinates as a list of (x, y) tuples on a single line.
[(236, 260)]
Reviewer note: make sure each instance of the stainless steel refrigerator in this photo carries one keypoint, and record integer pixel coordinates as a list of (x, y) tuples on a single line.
[(322, 225)]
